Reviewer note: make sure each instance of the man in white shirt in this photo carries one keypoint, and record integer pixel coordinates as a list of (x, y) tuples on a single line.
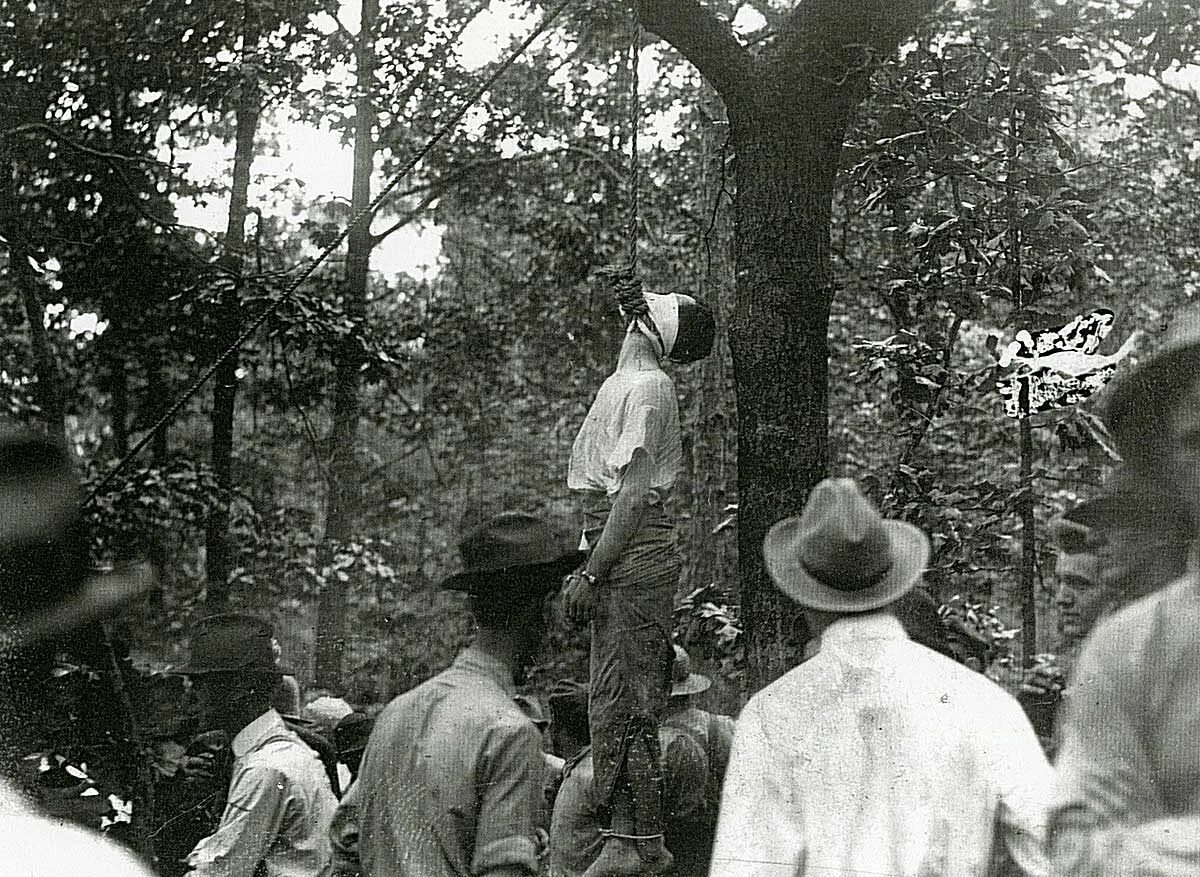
[(280, 804), (876, 755)]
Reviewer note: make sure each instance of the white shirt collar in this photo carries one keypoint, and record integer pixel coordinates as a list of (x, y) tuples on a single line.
[(255, 734), (863, 626)]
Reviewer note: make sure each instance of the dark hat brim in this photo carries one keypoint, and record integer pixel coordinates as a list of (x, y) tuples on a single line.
[(1139, 402), (100, 598), (485, 580), (910, 555)]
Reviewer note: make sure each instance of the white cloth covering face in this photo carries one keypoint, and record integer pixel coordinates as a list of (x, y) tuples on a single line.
[(664, 312)]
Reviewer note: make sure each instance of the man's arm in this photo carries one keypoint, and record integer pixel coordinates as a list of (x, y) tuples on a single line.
[(253, 814), (628, 509), (509, 796), (1025, 779), (343, 836), (1106, 817), (760, 830)]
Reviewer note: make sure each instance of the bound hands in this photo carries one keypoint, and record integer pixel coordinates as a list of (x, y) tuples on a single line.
[(579, 598)]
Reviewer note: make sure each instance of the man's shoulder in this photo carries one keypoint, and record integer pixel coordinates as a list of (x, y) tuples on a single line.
[(468, 705), (648, 385), (1165, 620)]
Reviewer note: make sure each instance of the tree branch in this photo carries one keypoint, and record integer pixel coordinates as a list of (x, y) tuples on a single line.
[(706, 41), (829, 48), (405, 218)]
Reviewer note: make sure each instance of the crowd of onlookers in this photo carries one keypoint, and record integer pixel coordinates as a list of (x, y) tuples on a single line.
[(886, 750)]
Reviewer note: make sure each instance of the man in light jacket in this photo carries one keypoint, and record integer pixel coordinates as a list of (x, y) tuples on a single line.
[(876, 755)]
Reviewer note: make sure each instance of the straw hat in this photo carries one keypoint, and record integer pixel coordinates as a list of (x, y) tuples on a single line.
[(840, 555)]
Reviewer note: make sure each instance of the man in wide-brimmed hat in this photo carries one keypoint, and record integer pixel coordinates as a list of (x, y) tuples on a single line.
[(50, 601), (714, 734), (1128, 766), (280, 803), (876, 755), (452, 777)]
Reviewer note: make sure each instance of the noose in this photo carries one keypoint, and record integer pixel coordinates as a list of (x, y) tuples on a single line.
[(626, 284)]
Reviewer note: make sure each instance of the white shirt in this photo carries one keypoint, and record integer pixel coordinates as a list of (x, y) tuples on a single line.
[(880, 756), (279, 809), (633, 409), (32, 845)]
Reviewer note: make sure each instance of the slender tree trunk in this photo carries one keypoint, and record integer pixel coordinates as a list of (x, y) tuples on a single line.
[(219, 552), (1027, 592), (344, 491)]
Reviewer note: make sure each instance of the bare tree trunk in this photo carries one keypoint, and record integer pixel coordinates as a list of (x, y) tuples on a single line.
[(344, 493), (788, 109), (219, 551), (778, 337)]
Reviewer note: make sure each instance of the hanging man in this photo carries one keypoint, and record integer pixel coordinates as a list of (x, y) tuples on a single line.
[(1129, 767), (624, 464), (452, 778)]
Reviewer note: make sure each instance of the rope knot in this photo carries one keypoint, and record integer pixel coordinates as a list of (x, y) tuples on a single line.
[(627, 290)]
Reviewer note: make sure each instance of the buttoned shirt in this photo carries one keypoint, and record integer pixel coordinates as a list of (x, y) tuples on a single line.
[(633, 409), (280, 805), (1127, 799), (452, 778), (33, 845), (880, 756)]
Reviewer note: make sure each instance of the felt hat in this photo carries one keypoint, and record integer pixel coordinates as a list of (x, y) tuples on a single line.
[(47, 585), (232, 642), (683, 680), (841, 555), (352, 732), (512, 545), (1139, 402)]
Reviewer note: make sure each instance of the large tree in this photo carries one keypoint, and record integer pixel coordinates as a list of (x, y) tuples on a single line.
[(789, 105)]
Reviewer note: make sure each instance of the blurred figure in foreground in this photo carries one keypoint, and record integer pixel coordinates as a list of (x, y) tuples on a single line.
[(47, 599), (1129, 767)]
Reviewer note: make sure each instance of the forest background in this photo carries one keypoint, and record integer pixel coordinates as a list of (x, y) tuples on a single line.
[(1005, 165)]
